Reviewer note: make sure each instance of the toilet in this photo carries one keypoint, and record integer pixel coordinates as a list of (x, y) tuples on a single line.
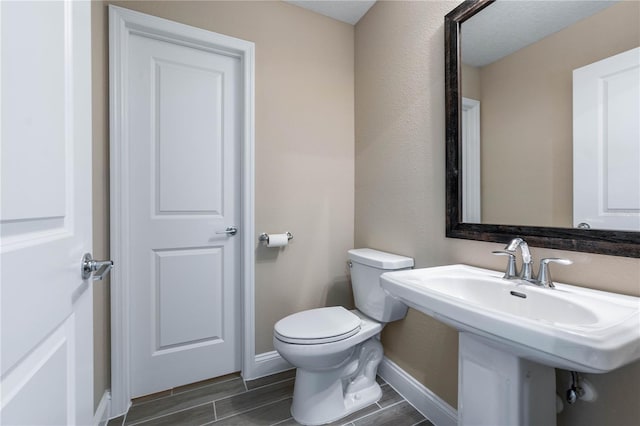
[(337, 351)]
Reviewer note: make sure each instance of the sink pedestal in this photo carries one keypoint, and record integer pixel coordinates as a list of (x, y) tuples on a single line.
[(496, 387)]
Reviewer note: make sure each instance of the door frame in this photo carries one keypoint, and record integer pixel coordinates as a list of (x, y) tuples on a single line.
[(471, 161), (122, 24)]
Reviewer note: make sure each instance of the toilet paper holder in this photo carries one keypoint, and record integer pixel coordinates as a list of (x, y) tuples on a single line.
[(264, 237)]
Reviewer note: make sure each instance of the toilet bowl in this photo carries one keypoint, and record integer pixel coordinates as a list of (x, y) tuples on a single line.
[(336, 351)]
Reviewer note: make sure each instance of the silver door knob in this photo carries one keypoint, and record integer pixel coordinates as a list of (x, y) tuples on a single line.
[(231, 230), (90, 265)]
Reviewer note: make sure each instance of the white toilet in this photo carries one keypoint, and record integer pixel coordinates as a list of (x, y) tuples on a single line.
[(336, 351)]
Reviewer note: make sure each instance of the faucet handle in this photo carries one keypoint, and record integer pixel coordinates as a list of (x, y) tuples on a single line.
[(511, 265), (544, 274)]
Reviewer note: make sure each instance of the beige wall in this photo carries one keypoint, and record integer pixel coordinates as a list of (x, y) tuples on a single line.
[(400, 199), (470, 82), (304, 152), (526, 124), (100, 170)]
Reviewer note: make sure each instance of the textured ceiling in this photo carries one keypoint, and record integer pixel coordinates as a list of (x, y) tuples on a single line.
[(509, 25), (345, 11)]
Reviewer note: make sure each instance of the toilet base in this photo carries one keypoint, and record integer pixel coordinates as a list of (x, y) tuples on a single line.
[(321, 406), (321, 397)]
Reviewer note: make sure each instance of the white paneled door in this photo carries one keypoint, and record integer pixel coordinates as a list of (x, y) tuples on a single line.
[(46, 316), (606, 143), (183, 130)]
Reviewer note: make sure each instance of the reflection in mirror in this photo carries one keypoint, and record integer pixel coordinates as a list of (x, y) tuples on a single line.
[(549, 114), (500, 131)]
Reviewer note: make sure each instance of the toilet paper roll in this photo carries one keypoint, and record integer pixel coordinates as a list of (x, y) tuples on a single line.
[(277, 240)]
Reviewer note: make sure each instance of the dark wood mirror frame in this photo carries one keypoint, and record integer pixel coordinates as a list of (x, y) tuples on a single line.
[(617, 243)]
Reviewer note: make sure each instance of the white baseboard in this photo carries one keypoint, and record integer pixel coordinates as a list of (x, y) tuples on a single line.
[(101, 416), (423, 399), (268, 363)]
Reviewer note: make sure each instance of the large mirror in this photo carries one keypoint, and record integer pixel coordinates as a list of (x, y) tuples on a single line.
[(543, 128)]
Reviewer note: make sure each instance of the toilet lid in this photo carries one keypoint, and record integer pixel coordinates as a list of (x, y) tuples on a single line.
[(315, 326)]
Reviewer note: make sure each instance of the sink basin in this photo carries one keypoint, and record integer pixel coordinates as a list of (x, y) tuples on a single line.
[(567, 327)]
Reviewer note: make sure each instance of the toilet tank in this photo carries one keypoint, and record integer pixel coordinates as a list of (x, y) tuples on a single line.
[(366, 267)]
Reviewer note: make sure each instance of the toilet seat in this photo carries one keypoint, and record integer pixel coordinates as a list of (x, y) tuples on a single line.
[(317, 326)]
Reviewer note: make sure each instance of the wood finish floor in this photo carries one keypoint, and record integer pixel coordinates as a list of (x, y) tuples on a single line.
[(230, 400)]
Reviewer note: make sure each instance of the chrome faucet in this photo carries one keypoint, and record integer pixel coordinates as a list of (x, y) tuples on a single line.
[(527, 261), (544, 275)]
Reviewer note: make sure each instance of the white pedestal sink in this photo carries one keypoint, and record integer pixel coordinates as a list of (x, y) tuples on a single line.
[(513, 335)]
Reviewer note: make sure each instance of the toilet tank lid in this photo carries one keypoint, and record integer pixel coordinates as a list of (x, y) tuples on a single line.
[(379, 259)]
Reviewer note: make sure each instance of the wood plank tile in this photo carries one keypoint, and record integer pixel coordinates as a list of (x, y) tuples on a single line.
[(389, 396), (203, 383), (195, 416), (343, 421), (256, 397), (184, 400), (266, 415), (116, 421), (401, 414), (150, 397), (268, 401), (288, 422), (278, 377), (358, 414)]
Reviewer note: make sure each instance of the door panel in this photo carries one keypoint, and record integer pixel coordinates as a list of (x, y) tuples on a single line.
[(32, 382), (194, 139), (184, 164), (40, 126), (196, 296), (621, 96), (46, 315)]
